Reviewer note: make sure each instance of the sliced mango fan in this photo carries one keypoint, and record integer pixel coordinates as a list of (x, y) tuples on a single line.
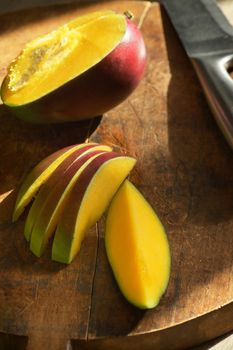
[(84, 169), (72, 188)]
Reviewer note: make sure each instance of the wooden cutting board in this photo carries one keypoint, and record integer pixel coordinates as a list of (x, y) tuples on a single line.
[(184, 169)]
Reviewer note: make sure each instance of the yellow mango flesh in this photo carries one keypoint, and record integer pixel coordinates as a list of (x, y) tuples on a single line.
[(52, 60), (75, 221), (49, 195), (46, 220), (137, 247), (39, 175)]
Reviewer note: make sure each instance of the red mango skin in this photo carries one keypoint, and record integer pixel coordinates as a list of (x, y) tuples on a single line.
[(97, 90), (46, 162)]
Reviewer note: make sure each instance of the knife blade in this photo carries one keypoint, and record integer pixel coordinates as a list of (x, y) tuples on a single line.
[(207, 38)]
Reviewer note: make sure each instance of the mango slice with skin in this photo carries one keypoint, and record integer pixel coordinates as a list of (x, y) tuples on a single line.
[(137, 248), (39, 175), (77, 158), (89, 199), (55, 200), (39, 69)]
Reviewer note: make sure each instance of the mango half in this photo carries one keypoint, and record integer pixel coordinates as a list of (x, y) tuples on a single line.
[(78, 71), (137, 248)]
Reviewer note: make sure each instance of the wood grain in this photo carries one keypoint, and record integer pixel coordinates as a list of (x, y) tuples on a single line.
[(184, 169)]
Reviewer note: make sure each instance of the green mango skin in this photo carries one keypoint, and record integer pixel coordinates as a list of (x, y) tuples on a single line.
[(94, 92)]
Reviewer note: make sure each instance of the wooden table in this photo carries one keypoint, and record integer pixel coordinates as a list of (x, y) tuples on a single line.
[(221, 343), (184, 169)]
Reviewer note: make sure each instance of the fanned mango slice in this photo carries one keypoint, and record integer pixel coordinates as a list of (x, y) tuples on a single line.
[(39, 175), (87, 202), (137, 247), (58, 178), (55, 198), (54, 59)]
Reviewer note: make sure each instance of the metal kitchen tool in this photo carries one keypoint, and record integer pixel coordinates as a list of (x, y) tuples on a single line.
[(207, 38)]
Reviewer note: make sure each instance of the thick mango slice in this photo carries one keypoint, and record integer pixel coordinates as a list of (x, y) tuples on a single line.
[(89, 199), (137, 248)]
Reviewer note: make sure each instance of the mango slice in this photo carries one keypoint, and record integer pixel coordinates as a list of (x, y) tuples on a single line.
[(73, 161), (55, 197), (137, 247), (89, 199), (77, 46), (39, 175)]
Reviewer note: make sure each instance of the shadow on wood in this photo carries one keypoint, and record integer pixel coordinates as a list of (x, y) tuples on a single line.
[(201, 157), (28, 284), (23, 145), (28, 13), (12, 342)]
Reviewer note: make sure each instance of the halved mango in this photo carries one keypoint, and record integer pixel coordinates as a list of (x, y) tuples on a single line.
[(40, 174), (137, 247), (51, 60), (87, 202), (57, 58), (78, 71)]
